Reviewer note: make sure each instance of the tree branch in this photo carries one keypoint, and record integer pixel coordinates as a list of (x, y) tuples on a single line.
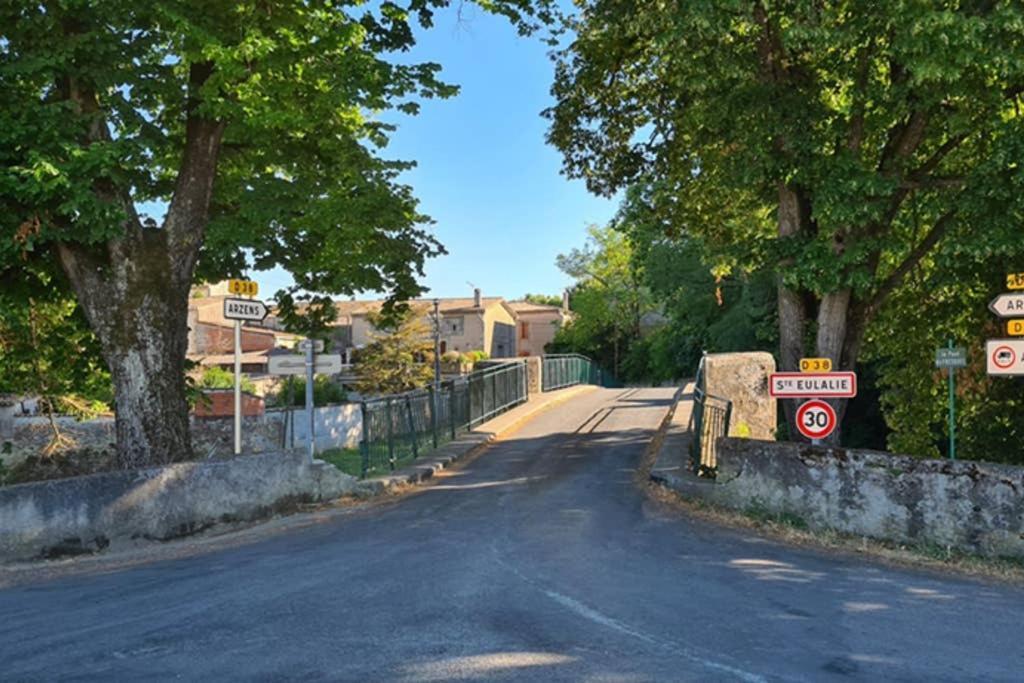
[(890, 283), (904, 139), (190, 205)]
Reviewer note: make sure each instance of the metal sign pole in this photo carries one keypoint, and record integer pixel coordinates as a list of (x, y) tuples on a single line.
[(309, 395), (238, 387), (952, 410)]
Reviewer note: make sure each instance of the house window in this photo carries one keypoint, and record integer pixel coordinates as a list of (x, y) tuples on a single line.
[(524, 330), (444, 347), (453, 326)]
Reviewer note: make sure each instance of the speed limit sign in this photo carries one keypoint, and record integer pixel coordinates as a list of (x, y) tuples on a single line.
[(816, 419)]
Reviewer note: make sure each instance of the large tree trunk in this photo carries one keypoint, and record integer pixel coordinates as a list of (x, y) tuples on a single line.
[(138, 308), (134, 287), (791, 303)]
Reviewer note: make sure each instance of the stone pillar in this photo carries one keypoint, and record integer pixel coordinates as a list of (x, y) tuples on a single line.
[(7, 407), (533, 367), (743, 379)]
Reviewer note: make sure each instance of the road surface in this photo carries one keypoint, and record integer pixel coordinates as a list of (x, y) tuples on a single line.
[(540, 561)]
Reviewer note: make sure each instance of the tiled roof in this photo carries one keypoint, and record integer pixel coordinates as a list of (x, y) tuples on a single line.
[(518, 306)]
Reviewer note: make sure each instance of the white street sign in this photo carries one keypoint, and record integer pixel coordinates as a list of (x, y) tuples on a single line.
[(329, 364), (1008, 305), (813, 385), (1005, 357), (245, 309), (318, 345)]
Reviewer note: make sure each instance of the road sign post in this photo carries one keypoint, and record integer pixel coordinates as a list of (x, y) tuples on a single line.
[(239, 310), (951, 358), (310, 365), (238, 387)]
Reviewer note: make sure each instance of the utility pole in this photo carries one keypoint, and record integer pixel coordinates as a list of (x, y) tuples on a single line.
[(952, 408), (437, 345)]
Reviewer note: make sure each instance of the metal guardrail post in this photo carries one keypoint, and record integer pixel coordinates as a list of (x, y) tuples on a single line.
[(451, 409), (364, 447), (412, 426), (434, 398), (391, 436)]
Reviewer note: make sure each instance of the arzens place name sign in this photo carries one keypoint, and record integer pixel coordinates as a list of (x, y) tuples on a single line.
[(813, 385)]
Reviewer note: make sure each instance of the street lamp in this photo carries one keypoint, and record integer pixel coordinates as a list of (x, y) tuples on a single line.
[(437, 346)]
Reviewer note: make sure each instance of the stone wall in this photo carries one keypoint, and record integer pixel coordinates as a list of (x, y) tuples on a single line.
[(87, 514), (338, 426), (974, 506), (743, 379)]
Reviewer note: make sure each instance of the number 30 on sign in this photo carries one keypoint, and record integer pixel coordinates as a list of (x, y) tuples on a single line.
[(816, 419)]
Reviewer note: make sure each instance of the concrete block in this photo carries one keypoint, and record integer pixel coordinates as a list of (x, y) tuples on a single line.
[(743, 379)]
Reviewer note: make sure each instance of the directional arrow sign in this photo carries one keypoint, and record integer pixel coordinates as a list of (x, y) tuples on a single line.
[(245, 309), (1008, 305), (317, 344), (329, 364)]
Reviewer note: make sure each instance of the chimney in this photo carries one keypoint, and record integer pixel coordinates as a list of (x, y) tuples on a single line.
[(565, 300), (476, 297)]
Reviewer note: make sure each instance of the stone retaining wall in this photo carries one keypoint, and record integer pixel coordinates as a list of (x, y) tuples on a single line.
[(337, 426), (86, 514), (972, 506)]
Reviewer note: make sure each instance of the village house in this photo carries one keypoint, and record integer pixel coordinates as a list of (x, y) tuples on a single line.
[(211, 337), (467, 324), (537, 324)]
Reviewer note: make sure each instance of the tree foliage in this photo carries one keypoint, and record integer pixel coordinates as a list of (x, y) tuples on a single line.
[(840, 145), (609, 300), (400, 357), (254, 124), (47, 352)]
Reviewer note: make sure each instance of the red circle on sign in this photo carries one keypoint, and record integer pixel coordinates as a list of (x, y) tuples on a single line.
[(816, 419), (1008, 358)]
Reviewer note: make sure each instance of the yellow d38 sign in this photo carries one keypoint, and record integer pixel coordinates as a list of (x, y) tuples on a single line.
[(815, 365), (1015, 328), (243, 287), (1015, 281)]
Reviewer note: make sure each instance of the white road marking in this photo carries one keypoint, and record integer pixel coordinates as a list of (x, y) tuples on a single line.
[(593, 615)]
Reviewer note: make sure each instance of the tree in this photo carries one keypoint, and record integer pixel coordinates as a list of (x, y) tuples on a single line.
[(543, 299), (400, 358), (608, 299), (251, 123), (48, 352), (839, 142)]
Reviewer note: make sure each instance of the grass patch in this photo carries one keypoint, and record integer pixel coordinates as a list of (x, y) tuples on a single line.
[(792, 530), (348, 460)]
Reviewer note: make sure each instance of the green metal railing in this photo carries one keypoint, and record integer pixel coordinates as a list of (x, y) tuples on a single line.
[(569, 369), (708, 421), (401, 427)]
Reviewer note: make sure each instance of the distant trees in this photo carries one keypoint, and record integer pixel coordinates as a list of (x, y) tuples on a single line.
[(543, 299), (48, 352), (609, 299)]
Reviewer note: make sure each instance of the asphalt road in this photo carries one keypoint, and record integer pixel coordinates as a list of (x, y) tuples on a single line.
[(540, 561)]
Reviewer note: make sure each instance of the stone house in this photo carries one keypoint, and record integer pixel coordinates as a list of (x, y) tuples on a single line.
[(211, 337), (467, 324), (536, 325)]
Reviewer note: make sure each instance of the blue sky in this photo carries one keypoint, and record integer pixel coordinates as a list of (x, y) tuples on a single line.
[(485, 174)]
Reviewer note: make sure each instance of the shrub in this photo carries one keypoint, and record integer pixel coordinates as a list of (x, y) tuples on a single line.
[(219, 378)]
